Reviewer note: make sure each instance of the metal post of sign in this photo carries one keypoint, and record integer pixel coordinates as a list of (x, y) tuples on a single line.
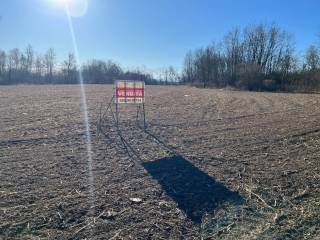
[(141, 115), (117, 115), (117, 110), (144, 116), (137, 116)]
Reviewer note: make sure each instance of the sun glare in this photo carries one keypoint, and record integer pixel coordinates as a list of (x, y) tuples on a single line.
[(77, 8), (64, 1)]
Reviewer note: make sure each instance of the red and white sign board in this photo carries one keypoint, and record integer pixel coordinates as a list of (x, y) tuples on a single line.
[(128, 91)]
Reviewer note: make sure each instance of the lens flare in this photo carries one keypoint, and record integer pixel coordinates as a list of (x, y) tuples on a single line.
[(77, 8), (85, 116)]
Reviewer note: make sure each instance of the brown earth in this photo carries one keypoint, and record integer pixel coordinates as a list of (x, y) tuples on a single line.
[(212, 164)]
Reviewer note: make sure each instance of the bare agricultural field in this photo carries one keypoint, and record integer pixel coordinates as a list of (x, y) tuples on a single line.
[(213, 164)]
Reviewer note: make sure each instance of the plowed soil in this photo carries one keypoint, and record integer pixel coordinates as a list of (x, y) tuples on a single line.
[(211, 164)]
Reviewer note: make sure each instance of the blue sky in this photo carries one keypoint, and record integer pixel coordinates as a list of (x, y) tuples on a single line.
[(151, 33)]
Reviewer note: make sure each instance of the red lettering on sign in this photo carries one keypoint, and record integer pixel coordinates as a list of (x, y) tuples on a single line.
[(127, 91), (130, 92)]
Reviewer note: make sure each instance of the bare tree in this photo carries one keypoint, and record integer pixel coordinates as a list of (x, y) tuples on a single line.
[(23, 64), (28, 67), (98, 71), (39, 65), (247, 57), (312, 58), (13, 65), (3, 61), (50, 61), (69, 69), (188, 68), (15, 56), (29, 52), (173, 75), (164, 75), (234, 53)]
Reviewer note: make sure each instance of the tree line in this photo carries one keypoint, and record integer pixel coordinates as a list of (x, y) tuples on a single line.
[(28, 67), (256, 57)]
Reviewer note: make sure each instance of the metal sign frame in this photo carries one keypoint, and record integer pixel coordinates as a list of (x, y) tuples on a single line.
[(131, 95), (129, 91), (112, 110)]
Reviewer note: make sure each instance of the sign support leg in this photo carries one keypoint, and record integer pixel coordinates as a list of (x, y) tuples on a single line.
[(138, 113), (144, 116), (117, 115)]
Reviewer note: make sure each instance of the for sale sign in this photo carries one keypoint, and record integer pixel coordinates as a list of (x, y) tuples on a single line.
[(127, 91)]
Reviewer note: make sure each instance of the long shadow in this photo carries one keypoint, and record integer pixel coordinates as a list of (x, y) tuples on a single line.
[(194, 191)]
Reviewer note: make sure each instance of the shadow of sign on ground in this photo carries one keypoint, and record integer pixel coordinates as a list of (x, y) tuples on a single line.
[(194, 191)]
